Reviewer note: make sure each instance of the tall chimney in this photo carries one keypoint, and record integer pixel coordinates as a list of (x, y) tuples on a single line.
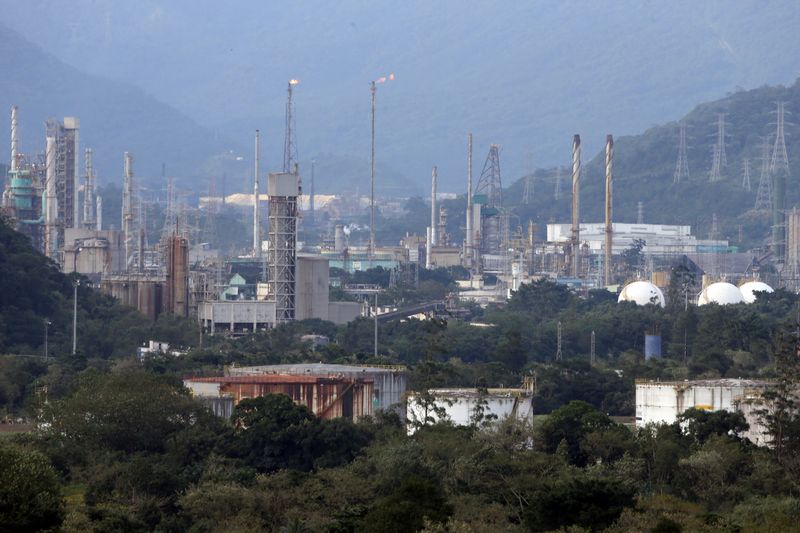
[(434, 240), (576, 204), (99, 211), (14, 139), (51, 206), (609, 207), (127, 207), (469, 241), (256, 226), (428, 246)]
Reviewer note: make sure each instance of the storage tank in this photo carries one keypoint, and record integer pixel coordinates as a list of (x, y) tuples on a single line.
[(641, 293), (750, 289), (652, 346), (722, 293)]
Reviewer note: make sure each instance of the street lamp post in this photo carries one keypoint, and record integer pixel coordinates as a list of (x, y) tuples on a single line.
[(75, 316), (46, 325)]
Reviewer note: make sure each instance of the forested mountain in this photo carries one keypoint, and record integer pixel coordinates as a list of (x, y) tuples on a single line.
[(644, 166)]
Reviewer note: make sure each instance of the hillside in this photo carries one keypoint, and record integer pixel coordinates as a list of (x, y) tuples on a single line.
[(522, 74), (115, 117), (644, 166)]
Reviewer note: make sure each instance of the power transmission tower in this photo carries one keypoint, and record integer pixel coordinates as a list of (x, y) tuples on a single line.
[(719, 159), (557, 191), (746, 176), (682, 166), (780, 158), (528, 192), (289, 142), (764, 192)]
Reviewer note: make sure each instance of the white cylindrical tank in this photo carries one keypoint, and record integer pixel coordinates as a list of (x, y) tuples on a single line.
[(750, 289), (642, 293), (722, 293)]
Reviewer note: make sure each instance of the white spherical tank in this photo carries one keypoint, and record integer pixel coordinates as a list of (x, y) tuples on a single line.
[(722, 293), (750, 289), (641, 293)]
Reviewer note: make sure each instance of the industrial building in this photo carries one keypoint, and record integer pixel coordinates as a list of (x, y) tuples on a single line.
[(463, 407), (326, 396), (389, 382), (660, 402)]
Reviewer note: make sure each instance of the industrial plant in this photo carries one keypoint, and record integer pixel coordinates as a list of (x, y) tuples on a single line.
[(298, 236)]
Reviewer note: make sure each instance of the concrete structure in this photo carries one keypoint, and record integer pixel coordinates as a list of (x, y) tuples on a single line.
[(93, 253), (326, 397), (642, 293), (66, 171), (389, 382), (721, 293), (311, 301), (464, 407), (662, 402)]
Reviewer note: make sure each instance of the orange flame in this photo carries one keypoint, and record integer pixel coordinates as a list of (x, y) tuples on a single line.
[(294, 82), (384, 79)]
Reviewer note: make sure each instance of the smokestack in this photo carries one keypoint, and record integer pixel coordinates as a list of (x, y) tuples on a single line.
[(50, 208), (609, 207), (256, 226), (88, 190), (127, 208), (576, 204), (433, 207), (14, 140), (99, 211), (428, 246), (469, 241)]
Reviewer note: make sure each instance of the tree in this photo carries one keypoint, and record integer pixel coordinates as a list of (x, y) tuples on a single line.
[(572, 423), (30, 495), (582, 500), (131, 411), (406, 509), (700, 424)]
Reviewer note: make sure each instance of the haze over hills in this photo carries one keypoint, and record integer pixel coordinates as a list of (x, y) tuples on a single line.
[(520, 74), (114, 117)]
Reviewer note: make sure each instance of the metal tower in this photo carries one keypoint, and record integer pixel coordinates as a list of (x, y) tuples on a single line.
[(682, 166), (283, 190), (490, 189), (257, 196), (527, 194), (290, 158), (780, 159), (764, 192), (746, 176), (719, 159), (640, 212)]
